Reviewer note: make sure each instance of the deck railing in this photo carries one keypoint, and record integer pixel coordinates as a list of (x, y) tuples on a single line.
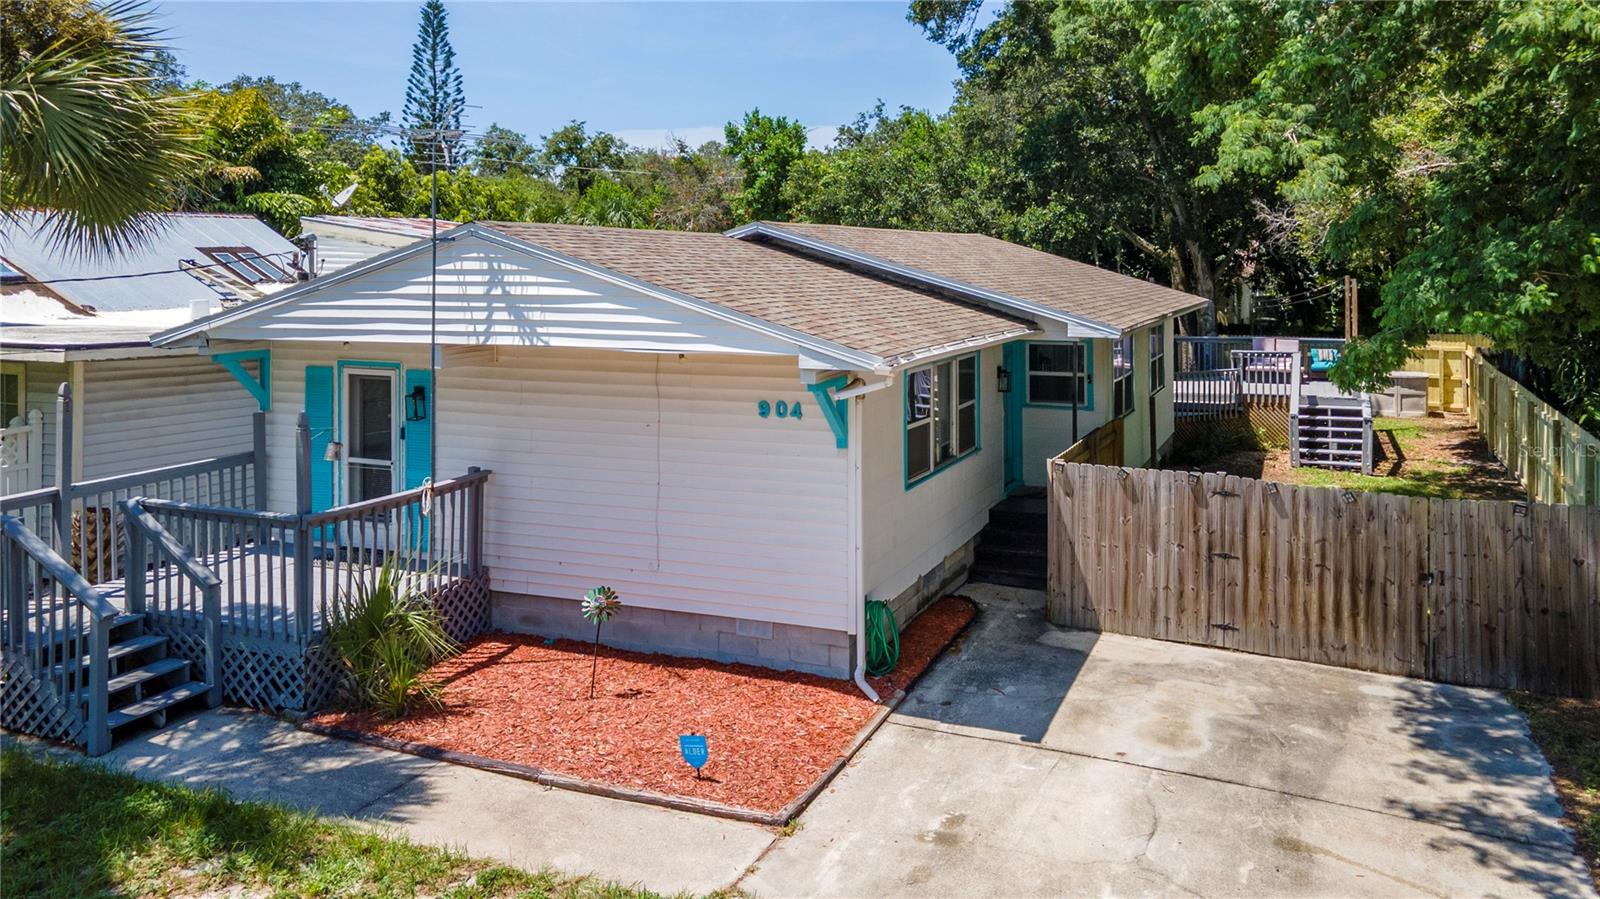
[(279, 572), (82, 520), (56, 633), (1208, 393)]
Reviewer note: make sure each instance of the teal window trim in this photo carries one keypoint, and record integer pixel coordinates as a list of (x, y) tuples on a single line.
[(836, 412), (1088, 374), (260, 384), (977, 418)]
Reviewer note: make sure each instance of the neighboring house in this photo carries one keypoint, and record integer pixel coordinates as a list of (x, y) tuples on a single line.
[(85, 319), (340, 241), (747, 435)]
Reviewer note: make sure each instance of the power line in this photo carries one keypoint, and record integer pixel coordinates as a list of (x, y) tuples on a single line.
[(165, 271)]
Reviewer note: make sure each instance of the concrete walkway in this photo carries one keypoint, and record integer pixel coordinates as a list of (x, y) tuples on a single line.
[(255, 756), (1042, 762), (1035, 762)]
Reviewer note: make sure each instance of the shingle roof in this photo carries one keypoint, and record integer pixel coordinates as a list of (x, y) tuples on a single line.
[(994, 265), (845, 307)]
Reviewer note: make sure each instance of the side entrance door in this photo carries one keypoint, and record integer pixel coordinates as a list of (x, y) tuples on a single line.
[(372, 434)]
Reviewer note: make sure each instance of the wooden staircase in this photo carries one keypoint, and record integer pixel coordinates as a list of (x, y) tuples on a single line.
[(1012, 548), (1332, 432)]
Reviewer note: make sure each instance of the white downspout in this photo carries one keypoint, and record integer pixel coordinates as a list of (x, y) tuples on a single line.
[(858, 597)]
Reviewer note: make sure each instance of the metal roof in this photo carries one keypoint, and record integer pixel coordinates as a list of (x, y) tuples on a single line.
[(154, 262)]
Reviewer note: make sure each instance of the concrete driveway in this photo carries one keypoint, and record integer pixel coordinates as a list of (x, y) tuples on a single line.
[(1048, 762)]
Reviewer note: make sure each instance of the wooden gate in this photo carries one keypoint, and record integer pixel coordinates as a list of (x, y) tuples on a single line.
[(1496, 594)]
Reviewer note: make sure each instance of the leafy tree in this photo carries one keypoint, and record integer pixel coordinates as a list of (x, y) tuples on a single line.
[(255, 163), (765, 149), (387, 184), (1090, 157), (610, 204), (501, 151), (912, 170), (83, 131), (434, 96), (345, 135), (582, 158), (695, 186), (1450, 151)]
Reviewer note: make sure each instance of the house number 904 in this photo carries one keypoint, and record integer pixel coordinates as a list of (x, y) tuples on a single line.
[(782, 409)]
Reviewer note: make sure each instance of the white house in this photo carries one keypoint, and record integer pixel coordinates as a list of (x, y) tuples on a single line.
[(747, 435), (85, 319)]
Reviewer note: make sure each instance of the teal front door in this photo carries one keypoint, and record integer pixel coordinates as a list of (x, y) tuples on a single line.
[(1015, 361)]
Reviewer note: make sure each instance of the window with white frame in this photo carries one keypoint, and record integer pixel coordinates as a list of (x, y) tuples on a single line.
[(1122, 375), (1058, 374), (941, 415), (1158, 357)]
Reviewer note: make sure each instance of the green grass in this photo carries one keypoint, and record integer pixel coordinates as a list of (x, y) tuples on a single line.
[(1568, 732), (1440, 481), (77, 829)]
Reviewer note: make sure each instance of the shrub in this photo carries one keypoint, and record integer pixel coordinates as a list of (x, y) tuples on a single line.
[(388, 635)]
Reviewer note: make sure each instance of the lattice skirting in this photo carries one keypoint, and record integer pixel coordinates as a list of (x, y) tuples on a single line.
[(282, 676), (464, 606), (30, 705)]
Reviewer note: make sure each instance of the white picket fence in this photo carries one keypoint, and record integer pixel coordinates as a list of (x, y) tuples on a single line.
[(22, 454)]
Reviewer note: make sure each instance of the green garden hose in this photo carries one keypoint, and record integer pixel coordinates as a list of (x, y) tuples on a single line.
[(883, 639)]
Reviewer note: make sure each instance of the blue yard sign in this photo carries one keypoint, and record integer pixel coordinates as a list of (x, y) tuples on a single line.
[(693, 747)]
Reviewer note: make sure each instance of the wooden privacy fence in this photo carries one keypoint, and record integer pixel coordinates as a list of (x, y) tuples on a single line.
[(1494, 594), (1101, 446), (1445, 359), (1556, 460)]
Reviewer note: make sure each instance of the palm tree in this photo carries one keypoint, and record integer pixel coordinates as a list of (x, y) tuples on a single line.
[(85, 135)]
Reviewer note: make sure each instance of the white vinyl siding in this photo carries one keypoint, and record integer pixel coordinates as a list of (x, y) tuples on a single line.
[(907, 533), (653, 474), (135, 414)]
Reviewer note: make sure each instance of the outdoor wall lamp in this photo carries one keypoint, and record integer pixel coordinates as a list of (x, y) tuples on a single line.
[(1002, 379), (417, 404)]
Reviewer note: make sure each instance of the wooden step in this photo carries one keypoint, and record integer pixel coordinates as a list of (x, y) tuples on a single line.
[(66, 636), (119, 649), (144, 708), (136, 676)]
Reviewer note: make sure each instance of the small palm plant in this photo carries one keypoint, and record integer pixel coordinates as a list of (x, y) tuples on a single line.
[(387, 635), (599, 604)]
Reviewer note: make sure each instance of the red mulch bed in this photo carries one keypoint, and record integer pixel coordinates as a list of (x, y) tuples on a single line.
[(772, 734)]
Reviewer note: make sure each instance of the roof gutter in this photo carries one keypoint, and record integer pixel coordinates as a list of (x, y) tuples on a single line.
[(1077, 325)]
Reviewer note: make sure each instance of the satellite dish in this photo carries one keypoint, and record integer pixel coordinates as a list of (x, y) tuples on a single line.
[(342, 198)]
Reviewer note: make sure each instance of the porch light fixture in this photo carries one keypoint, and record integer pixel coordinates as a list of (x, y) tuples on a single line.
[(1002, 379), (417, 404)]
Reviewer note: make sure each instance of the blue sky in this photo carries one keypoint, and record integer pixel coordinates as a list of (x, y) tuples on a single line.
[(642, 70)]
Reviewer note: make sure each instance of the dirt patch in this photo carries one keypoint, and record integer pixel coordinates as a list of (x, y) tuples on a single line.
[(525, 700), (1440, 456)]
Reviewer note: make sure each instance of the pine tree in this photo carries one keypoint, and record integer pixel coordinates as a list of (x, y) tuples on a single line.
[(434, 98)]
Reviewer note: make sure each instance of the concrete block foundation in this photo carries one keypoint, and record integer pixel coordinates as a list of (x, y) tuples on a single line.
[(782, 646), (935, 584)]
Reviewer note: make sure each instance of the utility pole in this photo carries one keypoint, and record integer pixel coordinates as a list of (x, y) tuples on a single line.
[(1352, 309)]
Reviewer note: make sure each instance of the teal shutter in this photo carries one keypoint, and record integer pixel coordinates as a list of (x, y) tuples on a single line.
[(319, 417), (419, 434)]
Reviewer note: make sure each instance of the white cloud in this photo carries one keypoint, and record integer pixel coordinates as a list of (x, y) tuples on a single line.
[(694, 135)]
